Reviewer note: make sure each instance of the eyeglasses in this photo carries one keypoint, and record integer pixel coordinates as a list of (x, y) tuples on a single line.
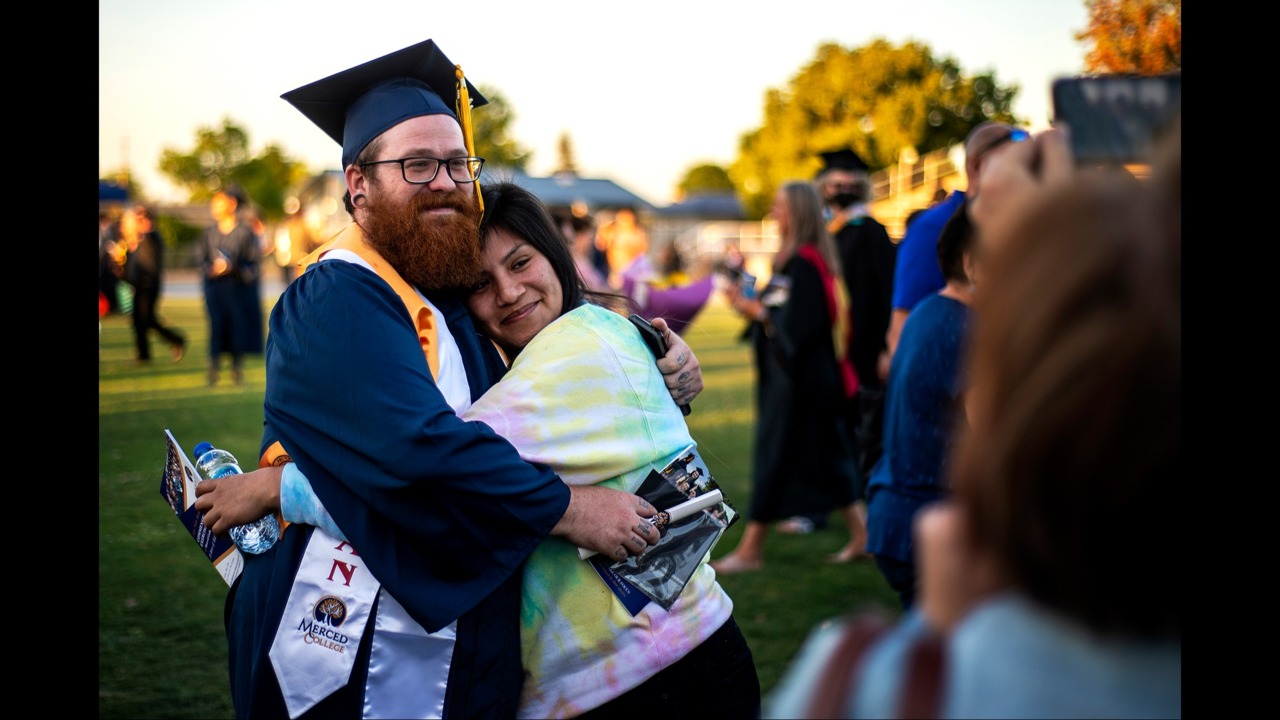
[(1015, 135), (422, 170)]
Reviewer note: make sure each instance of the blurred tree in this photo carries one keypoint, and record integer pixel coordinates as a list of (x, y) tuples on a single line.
[(876, 99), (269, 178), (1139, 37), (491, 124), (179, 239), (705, 178), (222, 156)]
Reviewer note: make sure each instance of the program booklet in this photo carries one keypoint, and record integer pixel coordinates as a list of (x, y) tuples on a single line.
[(178, 488), (661, 573)]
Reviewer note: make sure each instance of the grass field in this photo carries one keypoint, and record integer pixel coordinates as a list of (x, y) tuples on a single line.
[(162, 645)]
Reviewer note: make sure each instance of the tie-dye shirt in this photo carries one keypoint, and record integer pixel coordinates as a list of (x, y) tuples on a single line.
[(584, 397)]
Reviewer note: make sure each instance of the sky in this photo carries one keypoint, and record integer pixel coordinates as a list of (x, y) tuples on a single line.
[(645, 91)]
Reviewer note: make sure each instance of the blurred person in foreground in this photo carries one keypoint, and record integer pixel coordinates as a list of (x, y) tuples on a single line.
[(1048, 588), (371, 356), (800, 337)]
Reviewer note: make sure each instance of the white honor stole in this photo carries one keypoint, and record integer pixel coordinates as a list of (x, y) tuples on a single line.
[(328, 611)]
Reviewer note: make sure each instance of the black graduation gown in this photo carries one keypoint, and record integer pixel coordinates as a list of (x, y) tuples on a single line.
[(803, 462)]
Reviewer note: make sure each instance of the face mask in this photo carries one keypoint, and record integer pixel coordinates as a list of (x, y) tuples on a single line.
[(845, 199)]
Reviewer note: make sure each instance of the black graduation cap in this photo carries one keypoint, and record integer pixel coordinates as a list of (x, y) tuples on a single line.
[(843, 159), (356, 105)]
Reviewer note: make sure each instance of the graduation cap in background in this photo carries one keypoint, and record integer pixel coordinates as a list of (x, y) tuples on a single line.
[(843, 159), (357, 105)]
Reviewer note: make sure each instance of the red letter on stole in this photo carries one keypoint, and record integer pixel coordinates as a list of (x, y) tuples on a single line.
[(344, 568), (346, 544)]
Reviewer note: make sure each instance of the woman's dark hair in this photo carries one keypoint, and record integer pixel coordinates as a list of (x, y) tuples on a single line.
[(509, 207)]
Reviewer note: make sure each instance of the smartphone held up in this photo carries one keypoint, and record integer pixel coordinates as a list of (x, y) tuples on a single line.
[(1116, 119)]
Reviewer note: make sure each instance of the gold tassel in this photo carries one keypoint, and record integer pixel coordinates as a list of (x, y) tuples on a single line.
[(464, 117)]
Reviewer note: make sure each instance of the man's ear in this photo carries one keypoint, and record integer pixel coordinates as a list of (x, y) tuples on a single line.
[(357, 181)]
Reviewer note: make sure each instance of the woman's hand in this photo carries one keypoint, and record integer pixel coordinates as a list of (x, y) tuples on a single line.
[(679, 367), (238, 499)]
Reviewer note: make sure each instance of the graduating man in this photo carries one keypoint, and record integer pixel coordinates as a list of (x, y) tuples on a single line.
[(368, 360)]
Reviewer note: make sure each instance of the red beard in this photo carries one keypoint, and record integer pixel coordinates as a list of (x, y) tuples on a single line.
[(432, 253)]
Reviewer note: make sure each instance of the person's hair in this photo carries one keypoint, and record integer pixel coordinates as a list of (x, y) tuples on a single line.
[(808, 226), (955, 239), (1070, 473), (509, 207)]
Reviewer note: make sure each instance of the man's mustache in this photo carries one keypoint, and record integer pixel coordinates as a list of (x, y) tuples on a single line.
[(435, 201)]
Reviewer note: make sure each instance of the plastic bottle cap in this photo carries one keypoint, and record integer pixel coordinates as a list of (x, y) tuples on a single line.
[(203, 448)]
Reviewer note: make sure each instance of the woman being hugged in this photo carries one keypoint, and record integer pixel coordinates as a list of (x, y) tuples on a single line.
[(582, 395)]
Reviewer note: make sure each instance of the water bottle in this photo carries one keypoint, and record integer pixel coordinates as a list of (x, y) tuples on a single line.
[(256, 537)]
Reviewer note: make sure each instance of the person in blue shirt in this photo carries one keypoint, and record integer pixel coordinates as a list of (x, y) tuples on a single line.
[(916, 273), (923, 406)]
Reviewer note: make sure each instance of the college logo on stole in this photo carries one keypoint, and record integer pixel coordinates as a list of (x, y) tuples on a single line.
[(328, 610)]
